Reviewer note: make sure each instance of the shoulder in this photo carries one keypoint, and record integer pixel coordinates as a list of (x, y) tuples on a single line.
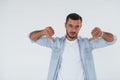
[(84, 41), (83, 38)]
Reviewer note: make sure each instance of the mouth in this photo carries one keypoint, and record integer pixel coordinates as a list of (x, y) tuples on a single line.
[(72, 33)]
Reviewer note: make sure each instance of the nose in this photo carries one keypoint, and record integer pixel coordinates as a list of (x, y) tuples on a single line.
[(73, 29)]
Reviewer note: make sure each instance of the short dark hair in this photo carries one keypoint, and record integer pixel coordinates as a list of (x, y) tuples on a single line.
[(74, 16)]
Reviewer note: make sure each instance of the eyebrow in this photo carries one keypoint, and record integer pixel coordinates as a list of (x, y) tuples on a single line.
[(70, 24)]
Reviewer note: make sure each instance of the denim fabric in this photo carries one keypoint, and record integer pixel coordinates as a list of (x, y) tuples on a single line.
[(86, 57)]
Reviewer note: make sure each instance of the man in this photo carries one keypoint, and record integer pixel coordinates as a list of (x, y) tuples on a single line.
[(71, 57)]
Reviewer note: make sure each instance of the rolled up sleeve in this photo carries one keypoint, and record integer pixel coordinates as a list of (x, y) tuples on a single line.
[(44, 41), (100, 42)]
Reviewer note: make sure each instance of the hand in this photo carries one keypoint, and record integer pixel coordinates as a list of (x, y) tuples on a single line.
[(96, 32), (49, 32)]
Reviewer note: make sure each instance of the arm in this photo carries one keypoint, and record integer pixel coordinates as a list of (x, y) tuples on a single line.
[(36, 34), (101, 39), (43, 37), (96, 33), (48, 32), (108, 36)]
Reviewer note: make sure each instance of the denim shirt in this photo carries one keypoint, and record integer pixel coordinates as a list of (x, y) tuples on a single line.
[(85, 47)]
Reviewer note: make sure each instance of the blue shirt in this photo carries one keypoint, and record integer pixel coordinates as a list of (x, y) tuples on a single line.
[(86, 57)]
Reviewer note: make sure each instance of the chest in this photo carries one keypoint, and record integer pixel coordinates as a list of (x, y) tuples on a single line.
[(71, 52)]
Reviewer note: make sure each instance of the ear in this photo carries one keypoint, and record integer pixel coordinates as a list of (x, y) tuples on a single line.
[(65, 25)]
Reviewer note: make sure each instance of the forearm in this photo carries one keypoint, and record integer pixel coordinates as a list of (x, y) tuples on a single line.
[(108, 36), (36, 34)]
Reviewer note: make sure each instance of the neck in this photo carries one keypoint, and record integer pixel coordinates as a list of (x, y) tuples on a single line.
[(71, 39)]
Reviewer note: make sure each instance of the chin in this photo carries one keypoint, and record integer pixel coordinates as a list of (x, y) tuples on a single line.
[(73, 37)]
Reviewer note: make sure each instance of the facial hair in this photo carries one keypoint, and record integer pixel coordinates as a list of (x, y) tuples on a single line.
[(72, 33)]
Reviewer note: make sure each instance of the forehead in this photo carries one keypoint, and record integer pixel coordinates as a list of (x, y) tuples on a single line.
[(70, 21)]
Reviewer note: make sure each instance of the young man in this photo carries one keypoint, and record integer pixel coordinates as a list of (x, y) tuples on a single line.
[(71, 57)]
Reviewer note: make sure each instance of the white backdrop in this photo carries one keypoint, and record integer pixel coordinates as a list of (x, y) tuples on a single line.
[(20, 59)]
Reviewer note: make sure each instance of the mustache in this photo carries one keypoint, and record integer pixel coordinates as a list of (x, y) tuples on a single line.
[(73, 32)]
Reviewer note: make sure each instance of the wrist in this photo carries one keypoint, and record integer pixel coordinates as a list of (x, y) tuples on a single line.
[(102, 34), (43, 32)]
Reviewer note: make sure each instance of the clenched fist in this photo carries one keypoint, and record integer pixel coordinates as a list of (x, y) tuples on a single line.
[(49, 32), (96, 32)]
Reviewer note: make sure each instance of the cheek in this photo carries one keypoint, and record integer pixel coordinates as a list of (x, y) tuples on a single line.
[(78, 30), (68, 29)]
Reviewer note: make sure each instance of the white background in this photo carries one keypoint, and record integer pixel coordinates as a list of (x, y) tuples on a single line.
[(20, 59)]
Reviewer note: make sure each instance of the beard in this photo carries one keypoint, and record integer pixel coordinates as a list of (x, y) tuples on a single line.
[(72, 35)]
